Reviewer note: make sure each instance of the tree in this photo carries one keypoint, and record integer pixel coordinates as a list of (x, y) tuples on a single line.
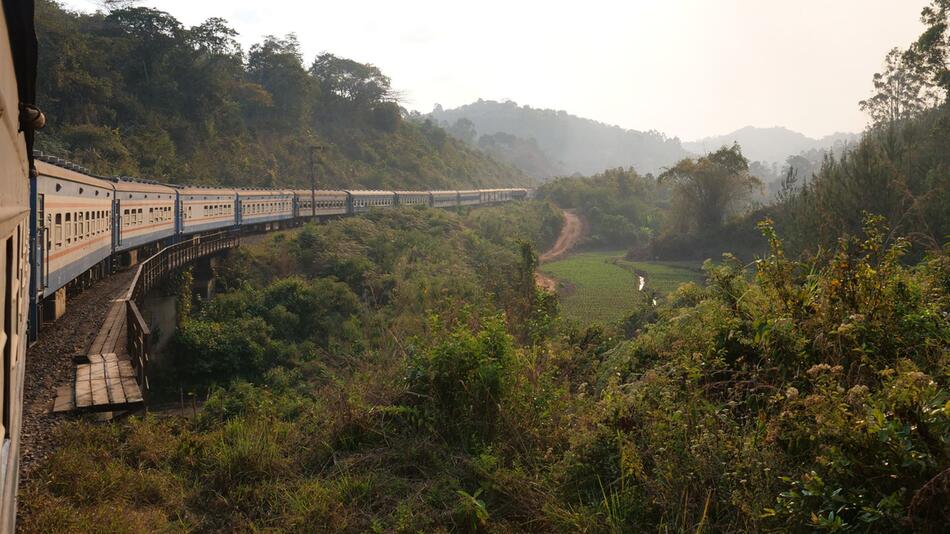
[(930, 54), (277, 66), (214, 37), (463, 130), (387, 116), (350, 84), (705, 189), (901, 90)]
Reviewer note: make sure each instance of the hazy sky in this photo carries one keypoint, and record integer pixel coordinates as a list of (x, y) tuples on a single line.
[(689, 68)]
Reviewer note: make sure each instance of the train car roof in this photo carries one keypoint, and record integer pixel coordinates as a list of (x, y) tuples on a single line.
[(470, 190), (264, 191), (205, 190), (320, 192), (411, 192), (444, 192), (122, 184), (62, 173), (369, 192)]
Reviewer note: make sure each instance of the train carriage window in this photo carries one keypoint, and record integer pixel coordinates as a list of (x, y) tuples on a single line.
[(88, 225), (58, 230), (69, 228)]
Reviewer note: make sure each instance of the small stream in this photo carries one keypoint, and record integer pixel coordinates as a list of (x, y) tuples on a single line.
[(643, 282)]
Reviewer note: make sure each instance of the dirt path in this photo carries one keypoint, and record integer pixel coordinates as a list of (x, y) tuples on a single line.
[(571, 234)]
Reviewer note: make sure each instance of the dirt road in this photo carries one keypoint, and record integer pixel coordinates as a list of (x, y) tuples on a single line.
[(571, 234)]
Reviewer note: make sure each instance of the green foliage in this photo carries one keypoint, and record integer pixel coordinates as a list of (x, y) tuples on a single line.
[(898, 171), (463, 379), (536, 222), (781, 395), (708, 189), (620, 207)]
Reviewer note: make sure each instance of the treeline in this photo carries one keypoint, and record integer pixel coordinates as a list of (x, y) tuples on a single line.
[(133, 91), (702, 207), (705, 206)]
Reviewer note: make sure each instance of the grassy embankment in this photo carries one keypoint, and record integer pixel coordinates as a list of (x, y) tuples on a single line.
[(600, 284)]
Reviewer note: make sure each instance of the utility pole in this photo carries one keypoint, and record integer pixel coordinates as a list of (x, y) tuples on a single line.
[(313, 180)]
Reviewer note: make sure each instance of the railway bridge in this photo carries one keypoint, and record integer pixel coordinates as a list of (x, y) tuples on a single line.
[(112, 375)]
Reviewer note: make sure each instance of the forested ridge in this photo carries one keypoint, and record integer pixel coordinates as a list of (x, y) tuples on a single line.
[(132, 91), (564, 144)]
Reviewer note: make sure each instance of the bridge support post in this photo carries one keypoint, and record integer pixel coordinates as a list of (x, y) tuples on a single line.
[(54, 306), (203, 275)]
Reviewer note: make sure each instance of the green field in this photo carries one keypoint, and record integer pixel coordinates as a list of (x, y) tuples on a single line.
[(599, 286)]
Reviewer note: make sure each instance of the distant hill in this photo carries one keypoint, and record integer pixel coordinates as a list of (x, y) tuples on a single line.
[(572, 144), (771, 145)]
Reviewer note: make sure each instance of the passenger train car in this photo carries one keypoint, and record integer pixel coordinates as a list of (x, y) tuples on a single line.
[(74, 226), (18, 119), (145, 214), (204, 209), (264, 207), (313, 203)]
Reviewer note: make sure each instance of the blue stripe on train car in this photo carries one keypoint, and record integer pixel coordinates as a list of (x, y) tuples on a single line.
[(214, 225), (62, 276), (255, 219), (129, 243)]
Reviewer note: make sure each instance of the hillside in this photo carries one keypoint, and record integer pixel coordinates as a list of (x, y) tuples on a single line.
[(574, 144), (136, 92), (771, 145)]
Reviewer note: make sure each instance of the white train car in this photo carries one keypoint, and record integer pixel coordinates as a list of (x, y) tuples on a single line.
[(443, 199), (74, 218), (264, 207), (470, 197), (413, 198), (145, 213), (320, 203), (363, 201), (490, 196), (203, 209)]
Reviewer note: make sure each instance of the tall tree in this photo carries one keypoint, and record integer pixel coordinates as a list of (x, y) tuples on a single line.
[(707, 188), (348, 84), (901, 90), (931, 52)]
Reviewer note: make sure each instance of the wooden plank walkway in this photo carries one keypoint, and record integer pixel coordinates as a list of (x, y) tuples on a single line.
[(105, 381)]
